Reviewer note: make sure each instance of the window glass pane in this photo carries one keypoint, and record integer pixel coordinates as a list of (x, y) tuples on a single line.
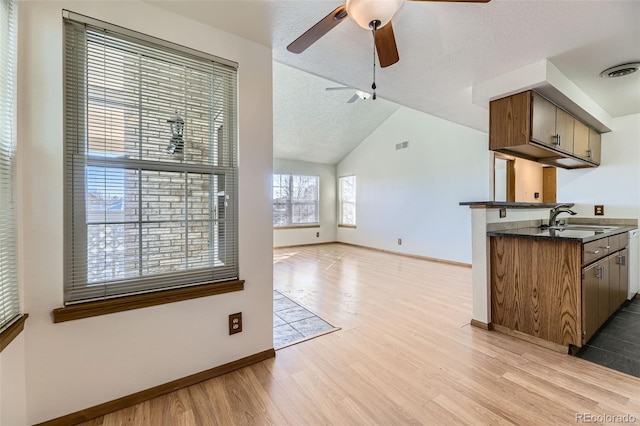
[(347, 200), (295, 200), (150, 166)]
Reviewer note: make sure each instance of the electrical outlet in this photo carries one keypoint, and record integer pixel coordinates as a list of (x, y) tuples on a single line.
[(399, 241), (598, 210), (317, 234), (235, 323)]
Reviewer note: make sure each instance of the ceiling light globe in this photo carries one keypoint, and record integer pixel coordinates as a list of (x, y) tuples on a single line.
[(365, 11)]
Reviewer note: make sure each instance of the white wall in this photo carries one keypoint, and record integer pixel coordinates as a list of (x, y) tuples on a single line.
[(327, 229), (13, 409), (74, 365), (414, 193), (616, 182), (528, 181)]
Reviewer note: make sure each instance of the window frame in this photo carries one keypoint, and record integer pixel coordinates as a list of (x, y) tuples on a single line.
[(149, 290), (290, 203), (12, 319), (342, 202)]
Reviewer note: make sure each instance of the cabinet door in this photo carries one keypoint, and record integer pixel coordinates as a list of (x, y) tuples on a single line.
[(594, 146), (614, 284), (543, 122), (590, 283), (564, 130), (603, 290), (580, 139), (623, 286)]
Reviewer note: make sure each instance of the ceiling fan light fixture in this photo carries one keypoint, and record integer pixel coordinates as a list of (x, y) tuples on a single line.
[(363, 95), (366, 11)]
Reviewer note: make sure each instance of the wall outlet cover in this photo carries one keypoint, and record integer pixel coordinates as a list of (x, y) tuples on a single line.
[(598, 210), (235, 323)]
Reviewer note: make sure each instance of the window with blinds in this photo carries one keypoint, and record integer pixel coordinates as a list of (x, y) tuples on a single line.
[(347, 194), (295, 200), (9, 300), (150, 164)]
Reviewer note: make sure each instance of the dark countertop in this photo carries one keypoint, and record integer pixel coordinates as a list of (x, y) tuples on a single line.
[(511, 205), (582, 236)]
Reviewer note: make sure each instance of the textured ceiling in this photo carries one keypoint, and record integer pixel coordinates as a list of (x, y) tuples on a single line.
[(445, 48), (312, 124)]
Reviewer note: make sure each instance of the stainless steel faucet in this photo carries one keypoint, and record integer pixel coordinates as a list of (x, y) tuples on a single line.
[(561, 208)]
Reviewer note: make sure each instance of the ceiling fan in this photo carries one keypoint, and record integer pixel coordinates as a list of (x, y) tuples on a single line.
[(359, 94), (372, 15)]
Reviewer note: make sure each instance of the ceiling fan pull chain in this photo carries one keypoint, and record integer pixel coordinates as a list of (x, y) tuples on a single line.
[(374, 26)]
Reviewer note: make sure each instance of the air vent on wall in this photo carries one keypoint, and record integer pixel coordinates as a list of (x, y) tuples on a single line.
[(402, 145)]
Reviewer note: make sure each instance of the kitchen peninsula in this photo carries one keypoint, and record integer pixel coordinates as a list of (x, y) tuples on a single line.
[(552, 286)]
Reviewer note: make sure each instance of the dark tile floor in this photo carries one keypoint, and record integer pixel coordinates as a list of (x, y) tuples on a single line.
[(292, 323), (617, 344)]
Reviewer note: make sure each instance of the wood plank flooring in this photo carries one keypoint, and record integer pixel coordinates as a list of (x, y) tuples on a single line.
[(406, 355)]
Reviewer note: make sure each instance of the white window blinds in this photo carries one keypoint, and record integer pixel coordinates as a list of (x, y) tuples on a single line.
[(150, 163), (9, 300)]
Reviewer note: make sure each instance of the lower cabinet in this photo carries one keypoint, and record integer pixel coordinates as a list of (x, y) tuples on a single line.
[(559, 291), (605, 284)]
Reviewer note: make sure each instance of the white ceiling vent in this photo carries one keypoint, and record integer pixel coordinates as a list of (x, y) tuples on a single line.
[(402, 145), (620, 70)]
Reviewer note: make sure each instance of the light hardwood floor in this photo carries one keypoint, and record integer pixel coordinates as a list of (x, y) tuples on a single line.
[(405, 355)]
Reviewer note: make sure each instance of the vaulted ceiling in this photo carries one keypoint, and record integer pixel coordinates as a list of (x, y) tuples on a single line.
[(445, 48)]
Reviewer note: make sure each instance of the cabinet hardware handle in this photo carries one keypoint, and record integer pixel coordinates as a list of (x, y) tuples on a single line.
[(605, 247), (594, 252), (559, 140), (588, 153), (556, 139), (622, 260)]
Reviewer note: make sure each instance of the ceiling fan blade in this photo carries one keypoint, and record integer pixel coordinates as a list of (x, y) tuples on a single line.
[(314, 33), (386, 46), (353, 99), (458, 1), (330, 89)]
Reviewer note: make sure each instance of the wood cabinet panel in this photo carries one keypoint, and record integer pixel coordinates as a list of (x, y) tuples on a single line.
[(535, 288), (622, 263), (581, 139), (543, 126), (603, 291), (594, 146), (509, 121), (564, 130), (590, 283)]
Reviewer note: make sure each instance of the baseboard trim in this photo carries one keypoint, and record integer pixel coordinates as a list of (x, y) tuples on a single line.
[(145, 395), (306, 245), (480, 324), (414, 256)]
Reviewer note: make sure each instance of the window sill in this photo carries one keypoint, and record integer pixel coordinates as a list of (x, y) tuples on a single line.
[(297, 226), (12, 332), (347, 226), (126, 303)]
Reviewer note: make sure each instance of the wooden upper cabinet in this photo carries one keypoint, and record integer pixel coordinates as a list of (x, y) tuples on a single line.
[(529, 126), (543, 125), (564, 130), (581, 139), (594, 146)]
